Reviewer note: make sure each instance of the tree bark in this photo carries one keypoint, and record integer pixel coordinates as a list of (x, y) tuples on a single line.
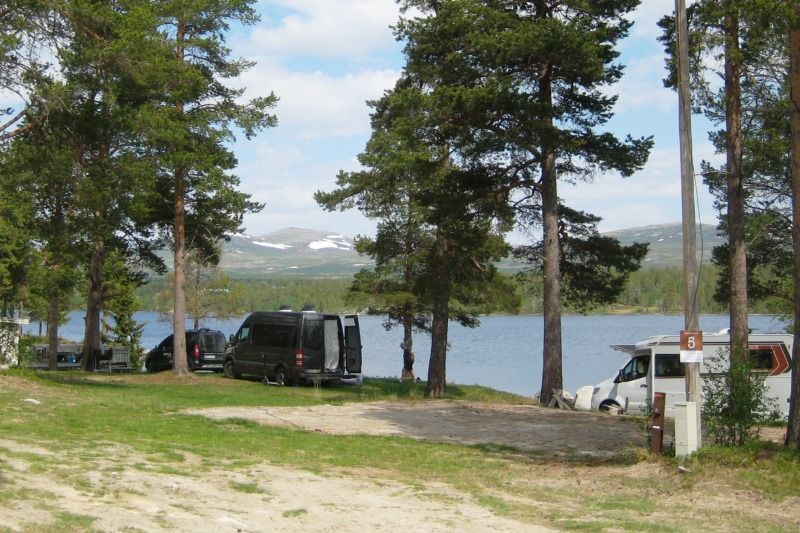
[(179, 363), (552, 377), (52, 333), (793, 429), (437, 379), (552, 374), (736, 193), (408, 276), (94, 301)]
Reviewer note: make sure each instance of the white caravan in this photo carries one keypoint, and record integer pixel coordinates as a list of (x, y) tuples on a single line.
[(635, 385)]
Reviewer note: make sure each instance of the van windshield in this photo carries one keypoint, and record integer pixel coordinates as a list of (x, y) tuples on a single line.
[(636, 368)]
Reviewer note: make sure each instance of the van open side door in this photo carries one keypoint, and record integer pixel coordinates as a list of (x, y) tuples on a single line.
[(352, 339)]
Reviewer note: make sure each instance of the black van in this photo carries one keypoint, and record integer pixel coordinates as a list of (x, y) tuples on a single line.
[(288, 347)]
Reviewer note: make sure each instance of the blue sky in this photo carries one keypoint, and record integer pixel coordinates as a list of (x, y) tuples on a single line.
[(325, 58)]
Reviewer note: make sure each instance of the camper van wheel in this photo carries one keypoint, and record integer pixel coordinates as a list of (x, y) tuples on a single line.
[(281, 378), (229, 371), (611, 407)]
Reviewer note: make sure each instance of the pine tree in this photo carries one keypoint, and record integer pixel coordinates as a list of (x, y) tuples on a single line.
[(414, 179), (517, 87), (792, 12), (188, 129)]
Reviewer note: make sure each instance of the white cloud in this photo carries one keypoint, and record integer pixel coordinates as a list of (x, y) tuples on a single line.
[(315, 104), (328, 28), (641, 86), (646, 17), (285, 177), (651, 196)]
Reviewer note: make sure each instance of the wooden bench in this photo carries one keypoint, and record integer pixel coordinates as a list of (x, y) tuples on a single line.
[(114, 358)]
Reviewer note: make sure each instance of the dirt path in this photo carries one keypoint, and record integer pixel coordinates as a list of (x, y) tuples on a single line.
[(546, 432), (135, 493), (115, 488), (131, 494)]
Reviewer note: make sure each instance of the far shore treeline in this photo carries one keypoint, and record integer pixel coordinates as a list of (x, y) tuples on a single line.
[(651, 290)]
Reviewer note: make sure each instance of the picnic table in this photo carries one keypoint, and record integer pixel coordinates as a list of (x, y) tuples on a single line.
[(112, 359)]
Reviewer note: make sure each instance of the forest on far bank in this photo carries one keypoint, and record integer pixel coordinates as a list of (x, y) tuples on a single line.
[(651, 290)]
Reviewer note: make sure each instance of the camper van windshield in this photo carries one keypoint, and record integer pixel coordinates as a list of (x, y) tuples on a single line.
[(636, 368)]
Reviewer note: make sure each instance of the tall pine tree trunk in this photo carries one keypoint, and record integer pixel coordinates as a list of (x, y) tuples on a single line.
[(793, 430), (437, 379), (94, 301), (736, 193), (551, 357), (552, 377), (408, 277), (52, 332), (179, 363)]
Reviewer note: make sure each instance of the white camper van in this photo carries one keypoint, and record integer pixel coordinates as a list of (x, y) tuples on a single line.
[(655, 366)]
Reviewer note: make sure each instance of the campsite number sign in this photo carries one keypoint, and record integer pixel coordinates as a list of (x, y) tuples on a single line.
[(691, 346)]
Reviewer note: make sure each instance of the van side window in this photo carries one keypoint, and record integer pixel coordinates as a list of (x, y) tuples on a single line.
[(313, 335), (669, 366), (261, 334), (636, 368), (274, 335), (244, 334)]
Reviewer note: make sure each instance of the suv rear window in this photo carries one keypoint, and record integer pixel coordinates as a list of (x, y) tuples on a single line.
[(212, 342)]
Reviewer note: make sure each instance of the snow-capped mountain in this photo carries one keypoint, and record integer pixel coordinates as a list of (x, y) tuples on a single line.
[(292, 251), (313, 253)]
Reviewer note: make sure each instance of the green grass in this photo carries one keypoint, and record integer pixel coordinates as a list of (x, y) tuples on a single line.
[(83, 418), (248, 488)]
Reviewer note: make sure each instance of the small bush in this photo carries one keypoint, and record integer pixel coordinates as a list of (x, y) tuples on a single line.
[(735, 403)]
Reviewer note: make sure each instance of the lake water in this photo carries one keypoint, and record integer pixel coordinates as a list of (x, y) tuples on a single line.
[(504, 352)]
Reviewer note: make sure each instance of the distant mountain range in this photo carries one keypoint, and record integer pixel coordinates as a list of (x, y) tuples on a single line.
[(666, 242), (298, 252), (294, 252)]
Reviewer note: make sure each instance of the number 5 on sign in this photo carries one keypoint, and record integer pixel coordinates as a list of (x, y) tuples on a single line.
[(691, 346)]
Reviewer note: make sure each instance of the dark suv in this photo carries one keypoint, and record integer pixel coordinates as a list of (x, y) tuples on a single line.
[(205, 349)]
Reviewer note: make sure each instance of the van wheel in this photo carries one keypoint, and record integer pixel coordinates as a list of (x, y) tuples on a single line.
[(611, 407), (229, 371), (281, 378)]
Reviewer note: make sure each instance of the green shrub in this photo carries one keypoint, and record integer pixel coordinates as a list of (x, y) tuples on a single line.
[(735, 403)]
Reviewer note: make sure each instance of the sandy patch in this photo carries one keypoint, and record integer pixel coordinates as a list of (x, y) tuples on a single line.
[(528, 428), (127, 494)]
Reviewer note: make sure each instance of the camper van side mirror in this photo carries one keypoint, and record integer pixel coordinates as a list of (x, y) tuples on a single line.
[(230, 338), (619, 376)]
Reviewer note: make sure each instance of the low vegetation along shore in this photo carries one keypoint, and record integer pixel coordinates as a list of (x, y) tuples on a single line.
[(146, 452), (651, 290)]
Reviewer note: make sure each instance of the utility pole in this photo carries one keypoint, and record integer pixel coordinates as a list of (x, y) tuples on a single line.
[(691, 309)]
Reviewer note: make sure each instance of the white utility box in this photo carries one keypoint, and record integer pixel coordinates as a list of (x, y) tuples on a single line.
[(685, 428)]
